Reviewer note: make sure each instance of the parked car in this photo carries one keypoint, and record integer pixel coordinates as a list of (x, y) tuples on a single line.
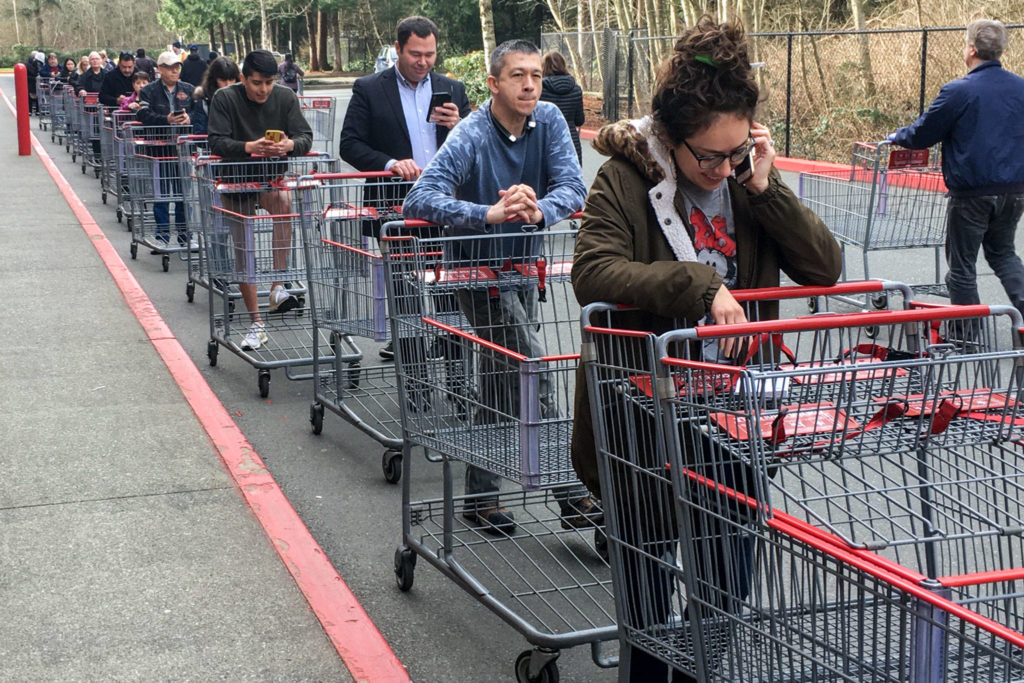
[(386, 58)]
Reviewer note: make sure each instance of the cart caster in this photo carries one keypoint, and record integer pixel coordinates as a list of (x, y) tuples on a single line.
[(391, 463), (601, 543), (880, 302), (813, 306), (96, 172), (190, 292), (120, 214), (264, 382), (405, 568), (211, 352), (548, 672), (73, 156), (103, 197), (165, 262), (871, 331), (83, 169), (53, 138), (316, 417), (134, 249), (352, 375)]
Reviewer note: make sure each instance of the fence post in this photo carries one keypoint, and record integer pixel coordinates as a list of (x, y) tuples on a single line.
[(610, 89), (629, 74), (924, 69), (789, 87)]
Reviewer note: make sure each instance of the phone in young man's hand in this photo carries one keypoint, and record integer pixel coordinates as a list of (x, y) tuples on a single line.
[(436, 100), (274, 135), (744, 170)]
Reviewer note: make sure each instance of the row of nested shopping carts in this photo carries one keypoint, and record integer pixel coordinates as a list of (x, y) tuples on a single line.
[(870, 532)]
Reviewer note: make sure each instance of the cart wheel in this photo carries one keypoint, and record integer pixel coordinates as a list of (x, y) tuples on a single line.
[(352, 375), (881, 302), (316, 417), (264, 382), (134, 249), (813, 305), (103, 196), (165, 262), (96, 171), (120, 214), (211, 352), (549, 674), (53, 137), (405, 568), (73, 156), (871, 331), (601, 543), (83, 167), (391, 463), (190, 292)]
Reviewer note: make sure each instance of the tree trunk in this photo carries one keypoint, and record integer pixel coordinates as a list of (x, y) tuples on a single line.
[(487, 29), (314, 57), (39, 29), (323, 23), (264, 26), (213, 36), (338, 63), (866, 73), (223, 36)]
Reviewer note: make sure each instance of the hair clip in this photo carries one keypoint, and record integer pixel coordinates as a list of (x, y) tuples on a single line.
[(706, 59)]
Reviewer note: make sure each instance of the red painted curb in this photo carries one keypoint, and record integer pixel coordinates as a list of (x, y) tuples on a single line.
[(587, 133), (360, 644)]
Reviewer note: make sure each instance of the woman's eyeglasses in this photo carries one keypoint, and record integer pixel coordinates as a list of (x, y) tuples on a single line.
[(715, 160)]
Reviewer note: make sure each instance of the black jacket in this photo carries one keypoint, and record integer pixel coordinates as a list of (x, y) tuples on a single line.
[(192, 69), (114, 83), (563, 92), (91, 82), (148, 65), (155, 107)]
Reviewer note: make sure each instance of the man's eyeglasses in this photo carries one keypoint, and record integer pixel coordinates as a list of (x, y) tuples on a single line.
[(715, 160)]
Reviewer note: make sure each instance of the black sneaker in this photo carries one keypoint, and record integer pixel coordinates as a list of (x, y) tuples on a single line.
[(490, 517), (388, 352), (581, 514)]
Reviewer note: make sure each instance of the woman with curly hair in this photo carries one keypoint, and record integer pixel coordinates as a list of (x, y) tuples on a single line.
[(670, 229)]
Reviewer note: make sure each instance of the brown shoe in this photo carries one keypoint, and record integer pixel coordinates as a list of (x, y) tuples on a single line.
[(490, 517), (582, 514)]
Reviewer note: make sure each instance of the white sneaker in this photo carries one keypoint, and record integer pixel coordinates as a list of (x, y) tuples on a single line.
[(193, 244), (281, 300), (255, 337)]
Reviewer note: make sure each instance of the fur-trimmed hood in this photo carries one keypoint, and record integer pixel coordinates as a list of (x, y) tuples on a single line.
[(636, 142)]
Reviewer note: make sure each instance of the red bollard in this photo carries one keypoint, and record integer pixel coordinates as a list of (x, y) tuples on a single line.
[(21, 95)]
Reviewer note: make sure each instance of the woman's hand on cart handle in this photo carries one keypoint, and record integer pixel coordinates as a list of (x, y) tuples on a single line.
[(725, 310)]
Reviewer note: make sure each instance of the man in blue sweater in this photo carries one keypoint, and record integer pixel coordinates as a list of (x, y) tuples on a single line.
[(978, 120), (507, 165)]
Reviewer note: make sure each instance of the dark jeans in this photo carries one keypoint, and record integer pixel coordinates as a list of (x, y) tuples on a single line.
[(168, 184), (988, 222)]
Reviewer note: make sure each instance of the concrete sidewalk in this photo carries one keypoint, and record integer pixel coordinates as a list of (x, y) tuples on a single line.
[(127, 553)]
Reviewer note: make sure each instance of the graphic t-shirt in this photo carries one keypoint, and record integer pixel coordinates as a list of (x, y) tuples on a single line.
[(714, 237)]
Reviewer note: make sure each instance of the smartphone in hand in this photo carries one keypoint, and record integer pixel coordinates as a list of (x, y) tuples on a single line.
[(436, 100), (744, 170), (273, 135)]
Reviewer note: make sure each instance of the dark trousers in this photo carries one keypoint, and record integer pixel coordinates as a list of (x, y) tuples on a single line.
[(986, 222)]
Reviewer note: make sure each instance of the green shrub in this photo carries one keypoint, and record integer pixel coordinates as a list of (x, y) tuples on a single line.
[(365, 66), (472, 72)]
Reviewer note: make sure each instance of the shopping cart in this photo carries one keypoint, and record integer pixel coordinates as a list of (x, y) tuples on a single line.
[(687, 470), (123, 148), (155, 186), (90, 123), (886, 200), (188, 149), (112, 173), (319, 112), (72, 120), (58, 112), (471, 391), (248, 249), (44, 96), (341, 217)]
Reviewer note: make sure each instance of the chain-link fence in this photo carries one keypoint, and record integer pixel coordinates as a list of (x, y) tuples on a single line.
[(821, 91)]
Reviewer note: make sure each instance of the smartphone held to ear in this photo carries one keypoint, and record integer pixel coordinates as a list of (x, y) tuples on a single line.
[(744, 170), (436, 100)]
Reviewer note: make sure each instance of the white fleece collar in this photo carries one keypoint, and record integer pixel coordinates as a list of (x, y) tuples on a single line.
[(663, 194)]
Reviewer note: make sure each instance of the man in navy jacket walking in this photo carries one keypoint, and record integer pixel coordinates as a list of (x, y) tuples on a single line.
[(978, 120)]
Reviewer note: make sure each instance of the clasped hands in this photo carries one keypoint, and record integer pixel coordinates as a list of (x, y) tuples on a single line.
[(517, 204)]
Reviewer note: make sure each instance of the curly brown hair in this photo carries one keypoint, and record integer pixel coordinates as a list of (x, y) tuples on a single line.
[(707, 75)]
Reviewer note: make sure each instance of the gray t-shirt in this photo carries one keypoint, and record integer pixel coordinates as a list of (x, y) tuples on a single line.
[(714, 237)]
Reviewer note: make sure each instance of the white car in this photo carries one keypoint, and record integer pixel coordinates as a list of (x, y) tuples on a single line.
[(386, 58)]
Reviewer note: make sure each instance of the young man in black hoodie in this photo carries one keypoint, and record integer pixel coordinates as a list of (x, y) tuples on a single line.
[(193, 67)]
